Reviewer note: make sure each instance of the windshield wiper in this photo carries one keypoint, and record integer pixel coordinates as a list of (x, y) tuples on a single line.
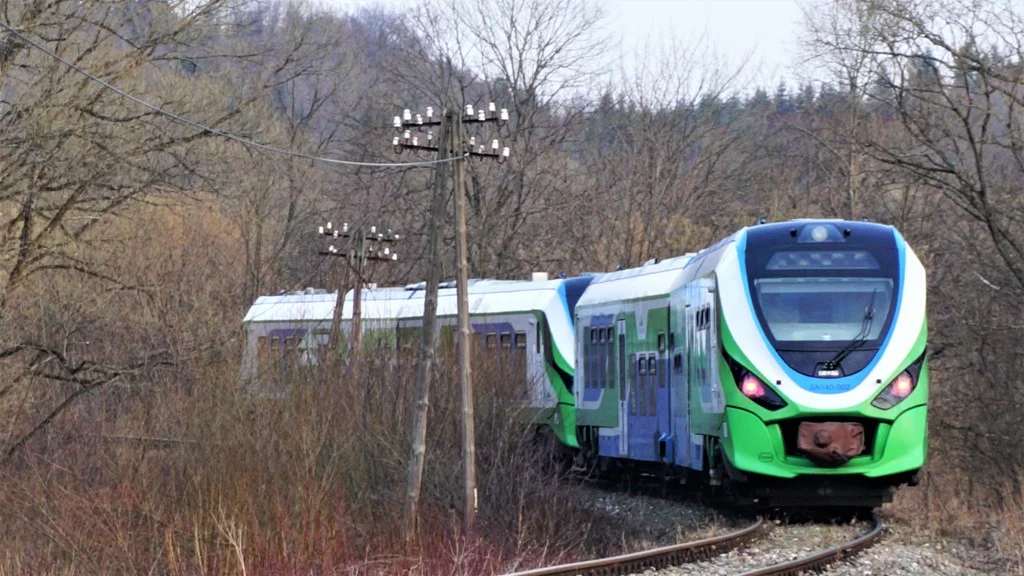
[(859, 339)]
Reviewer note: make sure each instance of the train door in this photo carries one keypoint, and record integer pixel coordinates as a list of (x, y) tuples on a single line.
[(663, 388), (620, 357), (647, 399), (711, 345), (706, 401), (679, 387)]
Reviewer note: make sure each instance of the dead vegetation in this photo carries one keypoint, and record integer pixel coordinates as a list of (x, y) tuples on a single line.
[(130, 246)]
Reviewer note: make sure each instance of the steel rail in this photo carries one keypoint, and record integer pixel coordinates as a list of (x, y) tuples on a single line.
[(824, 558), (662, 557)]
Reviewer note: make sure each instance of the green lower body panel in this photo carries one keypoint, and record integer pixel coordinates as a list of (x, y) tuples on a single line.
[(560, 419), (753, 447)]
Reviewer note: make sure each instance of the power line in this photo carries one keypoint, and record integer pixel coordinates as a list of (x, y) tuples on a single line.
[(214, 131)]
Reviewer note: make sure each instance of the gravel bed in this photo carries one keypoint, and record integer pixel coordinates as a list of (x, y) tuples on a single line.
[(905, 551), (644, 521), (780, 543), (889, 558)]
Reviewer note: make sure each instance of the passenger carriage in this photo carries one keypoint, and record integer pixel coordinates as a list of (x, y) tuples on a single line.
[(528, 323)]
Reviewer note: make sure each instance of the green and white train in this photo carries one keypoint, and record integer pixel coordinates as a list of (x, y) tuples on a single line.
[(786, 363)]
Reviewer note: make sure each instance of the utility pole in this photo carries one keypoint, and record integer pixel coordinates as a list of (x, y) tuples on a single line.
[(428, 338), (360, 248), (465, 366), (452, 118)]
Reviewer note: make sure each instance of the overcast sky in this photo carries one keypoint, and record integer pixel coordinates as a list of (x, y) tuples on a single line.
[(763, 30)]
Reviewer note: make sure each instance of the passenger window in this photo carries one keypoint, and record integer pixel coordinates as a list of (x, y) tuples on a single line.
[(521, 340), (652, 364), (661, 341), (492, 341), (593, 336), (677, 363), (506, 340), (642, 365)]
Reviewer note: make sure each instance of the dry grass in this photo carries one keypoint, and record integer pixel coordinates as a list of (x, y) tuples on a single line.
[(205, 479), (949, 504)]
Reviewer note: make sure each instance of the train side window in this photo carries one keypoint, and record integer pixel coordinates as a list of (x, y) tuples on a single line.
[(641, 385), (652, 377), (492, 341), (677, 362), (291, 352), (661, 341), (263, 352), (539, 332), (521, 340), (506, 340), (593, 336)]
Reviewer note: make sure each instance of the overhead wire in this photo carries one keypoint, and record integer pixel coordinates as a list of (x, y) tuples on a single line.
[(214, 131)]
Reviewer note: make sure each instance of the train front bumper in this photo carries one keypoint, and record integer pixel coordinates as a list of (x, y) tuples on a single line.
[(893, 448)]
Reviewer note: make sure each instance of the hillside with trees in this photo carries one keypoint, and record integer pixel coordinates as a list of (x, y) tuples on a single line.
[(133, 239)]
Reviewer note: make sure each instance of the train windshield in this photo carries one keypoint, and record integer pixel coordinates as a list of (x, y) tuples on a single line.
[(825, 294), (824, 297), (824, 309)]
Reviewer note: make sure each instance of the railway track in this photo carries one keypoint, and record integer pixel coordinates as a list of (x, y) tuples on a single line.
[(707, 548)]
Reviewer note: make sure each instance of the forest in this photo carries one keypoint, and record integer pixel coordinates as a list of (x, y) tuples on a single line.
[(134, 235)]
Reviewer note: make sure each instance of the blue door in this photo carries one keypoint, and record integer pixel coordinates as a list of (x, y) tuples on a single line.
[(643, 406)]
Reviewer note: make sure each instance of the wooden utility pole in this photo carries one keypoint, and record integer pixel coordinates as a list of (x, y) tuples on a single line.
[(357, 297), (454, 140), (428, 340), (360, 248), (465, 365)]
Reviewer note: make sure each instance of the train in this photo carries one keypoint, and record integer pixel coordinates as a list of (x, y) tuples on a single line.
[(785, 365)]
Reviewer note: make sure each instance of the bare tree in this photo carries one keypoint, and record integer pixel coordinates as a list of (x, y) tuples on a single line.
[(78, 162), (659, 157), (949, 80)]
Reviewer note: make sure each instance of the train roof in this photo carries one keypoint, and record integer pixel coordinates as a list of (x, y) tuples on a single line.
[(485, 297), (652, 279)]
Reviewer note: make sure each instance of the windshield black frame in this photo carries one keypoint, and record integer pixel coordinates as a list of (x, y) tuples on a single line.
[(881, 244)]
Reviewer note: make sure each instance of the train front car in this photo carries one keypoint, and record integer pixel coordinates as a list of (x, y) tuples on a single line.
[(823, 367)]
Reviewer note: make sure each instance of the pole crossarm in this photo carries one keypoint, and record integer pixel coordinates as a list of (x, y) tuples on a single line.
[(406, 123), (362, 247)]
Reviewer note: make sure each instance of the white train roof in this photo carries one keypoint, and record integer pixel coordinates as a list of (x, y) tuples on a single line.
[(292, 307), (485, 297), (651, 279)]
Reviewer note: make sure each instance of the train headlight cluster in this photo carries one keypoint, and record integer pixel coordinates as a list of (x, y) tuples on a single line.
[(752, 387), (897, 391)]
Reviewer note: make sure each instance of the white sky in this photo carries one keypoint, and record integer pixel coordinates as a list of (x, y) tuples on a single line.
[(764, 31)]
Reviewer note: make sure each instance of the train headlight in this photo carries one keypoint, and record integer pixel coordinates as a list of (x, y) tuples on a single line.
[(752, 387), (897, 391)]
